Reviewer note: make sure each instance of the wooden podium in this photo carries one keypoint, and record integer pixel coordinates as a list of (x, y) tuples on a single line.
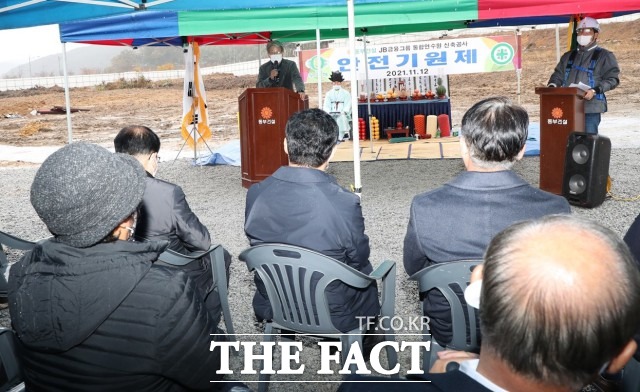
[(263, 115), (561, 112)]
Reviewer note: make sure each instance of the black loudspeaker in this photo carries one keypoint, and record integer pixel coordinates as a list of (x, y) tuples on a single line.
[(586, 169)]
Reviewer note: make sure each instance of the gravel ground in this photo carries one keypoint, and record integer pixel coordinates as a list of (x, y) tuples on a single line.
[(217, 197)]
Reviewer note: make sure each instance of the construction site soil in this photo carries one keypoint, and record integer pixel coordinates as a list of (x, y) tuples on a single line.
[(159, 104)]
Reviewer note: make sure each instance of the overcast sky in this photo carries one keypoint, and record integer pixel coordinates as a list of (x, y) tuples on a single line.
[(17, 45)]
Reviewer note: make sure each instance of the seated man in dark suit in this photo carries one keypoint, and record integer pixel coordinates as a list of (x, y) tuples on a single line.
[(457, 220), (166, 215), (549, 321), (302, 205)]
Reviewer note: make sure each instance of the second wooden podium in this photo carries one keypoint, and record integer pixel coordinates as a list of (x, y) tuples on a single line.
[(263, 115), (561, 112)]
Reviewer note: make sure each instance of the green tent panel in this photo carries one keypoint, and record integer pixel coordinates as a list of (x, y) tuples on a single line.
[(329, 34), (405, 16)]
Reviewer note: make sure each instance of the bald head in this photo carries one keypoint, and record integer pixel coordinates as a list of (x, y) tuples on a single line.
[(563, 260), (560, 298)]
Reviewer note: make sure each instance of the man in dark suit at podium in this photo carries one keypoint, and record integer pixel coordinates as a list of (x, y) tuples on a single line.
[(591, 65), (280, 72)]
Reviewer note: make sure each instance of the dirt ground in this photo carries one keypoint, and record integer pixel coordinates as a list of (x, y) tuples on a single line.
[(158, 105)]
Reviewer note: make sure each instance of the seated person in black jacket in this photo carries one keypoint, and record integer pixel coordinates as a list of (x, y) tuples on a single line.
[(549, 321), (165, 213), (91, 310)]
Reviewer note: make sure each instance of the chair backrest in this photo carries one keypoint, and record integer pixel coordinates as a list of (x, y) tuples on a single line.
[(219, 271), (296, 280), (9, 241), (180, 259), (10, 370), (447, 277), (631, 376)]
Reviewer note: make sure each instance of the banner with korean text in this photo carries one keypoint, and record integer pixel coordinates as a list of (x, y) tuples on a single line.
[(411, 60)]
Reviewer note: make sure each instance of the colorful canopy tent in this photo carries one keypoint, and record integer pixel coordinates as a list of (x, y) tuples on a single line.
[(298, 20), (28, 13), (150, 28)]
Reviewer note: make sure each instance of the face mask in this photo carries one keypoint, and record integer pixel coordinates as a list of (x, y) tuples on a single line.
[(276, 57), (336, 87), (584, 40), (472, 294), (132, 232)]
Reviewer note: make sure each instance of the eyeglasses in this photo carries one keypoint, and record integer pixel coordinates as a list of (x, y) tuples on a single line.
[(157, 156)]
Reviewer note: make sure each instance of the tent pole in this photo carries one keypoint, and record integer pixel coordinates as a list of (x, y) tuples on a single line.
[(259, 55), (319, 67), (67, 99), (519, 62), (354, 96), (557, 43), (366, 78)]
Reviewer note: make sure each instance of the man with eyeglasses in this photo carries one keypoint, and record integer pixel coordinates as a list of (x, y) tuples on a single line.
[(591, 65), (166, 215), (280, 72)]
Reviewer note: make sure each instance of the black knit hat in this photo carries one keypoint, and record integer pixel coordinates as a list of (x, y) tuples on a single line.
[(83, 191), (336, 77)]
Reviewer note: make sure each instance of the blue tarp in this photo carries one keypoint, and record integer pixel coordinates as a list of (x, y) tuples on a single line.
[(533, 142), (229, 154)]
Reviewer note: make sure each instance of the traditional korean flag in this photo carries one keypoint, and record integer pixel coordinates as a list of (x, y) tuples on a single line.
[(195, 122)]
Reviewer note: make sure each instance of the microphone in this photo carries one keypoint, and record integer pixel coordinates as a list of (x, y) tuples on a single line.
[(275, 65)]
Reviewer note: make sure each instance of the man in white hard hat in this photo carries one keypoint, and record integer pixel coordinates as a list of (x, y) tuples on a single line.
[(591, 65)]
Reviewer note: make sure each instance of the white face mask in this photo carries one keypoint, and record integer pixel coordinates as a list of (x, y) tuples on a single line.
[(336, 87), (472, 294), (584, 40), (276, 57)]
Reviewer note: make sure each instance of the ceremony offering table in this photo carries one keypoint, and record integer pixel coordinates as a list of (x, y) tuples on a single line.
[(391, 112)]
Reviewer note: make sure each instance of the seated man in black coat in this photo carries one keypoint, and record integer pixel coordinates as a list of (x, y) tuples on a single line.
[(91, 310), (549, 321), (302, 205), (166, 215)]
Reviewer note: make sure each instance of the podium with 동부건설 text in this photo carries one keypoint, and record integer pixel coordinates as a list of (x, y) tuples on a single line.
[(264, 112), (561, 112)]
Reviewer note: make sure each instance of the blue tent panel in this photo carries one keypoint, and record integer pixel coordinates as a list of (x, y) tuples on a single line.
[(140, 25), (22, 13)]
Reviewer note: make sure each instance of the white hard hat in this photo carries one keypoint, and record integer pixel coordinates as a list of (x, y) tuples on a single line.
[(589, 23)]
